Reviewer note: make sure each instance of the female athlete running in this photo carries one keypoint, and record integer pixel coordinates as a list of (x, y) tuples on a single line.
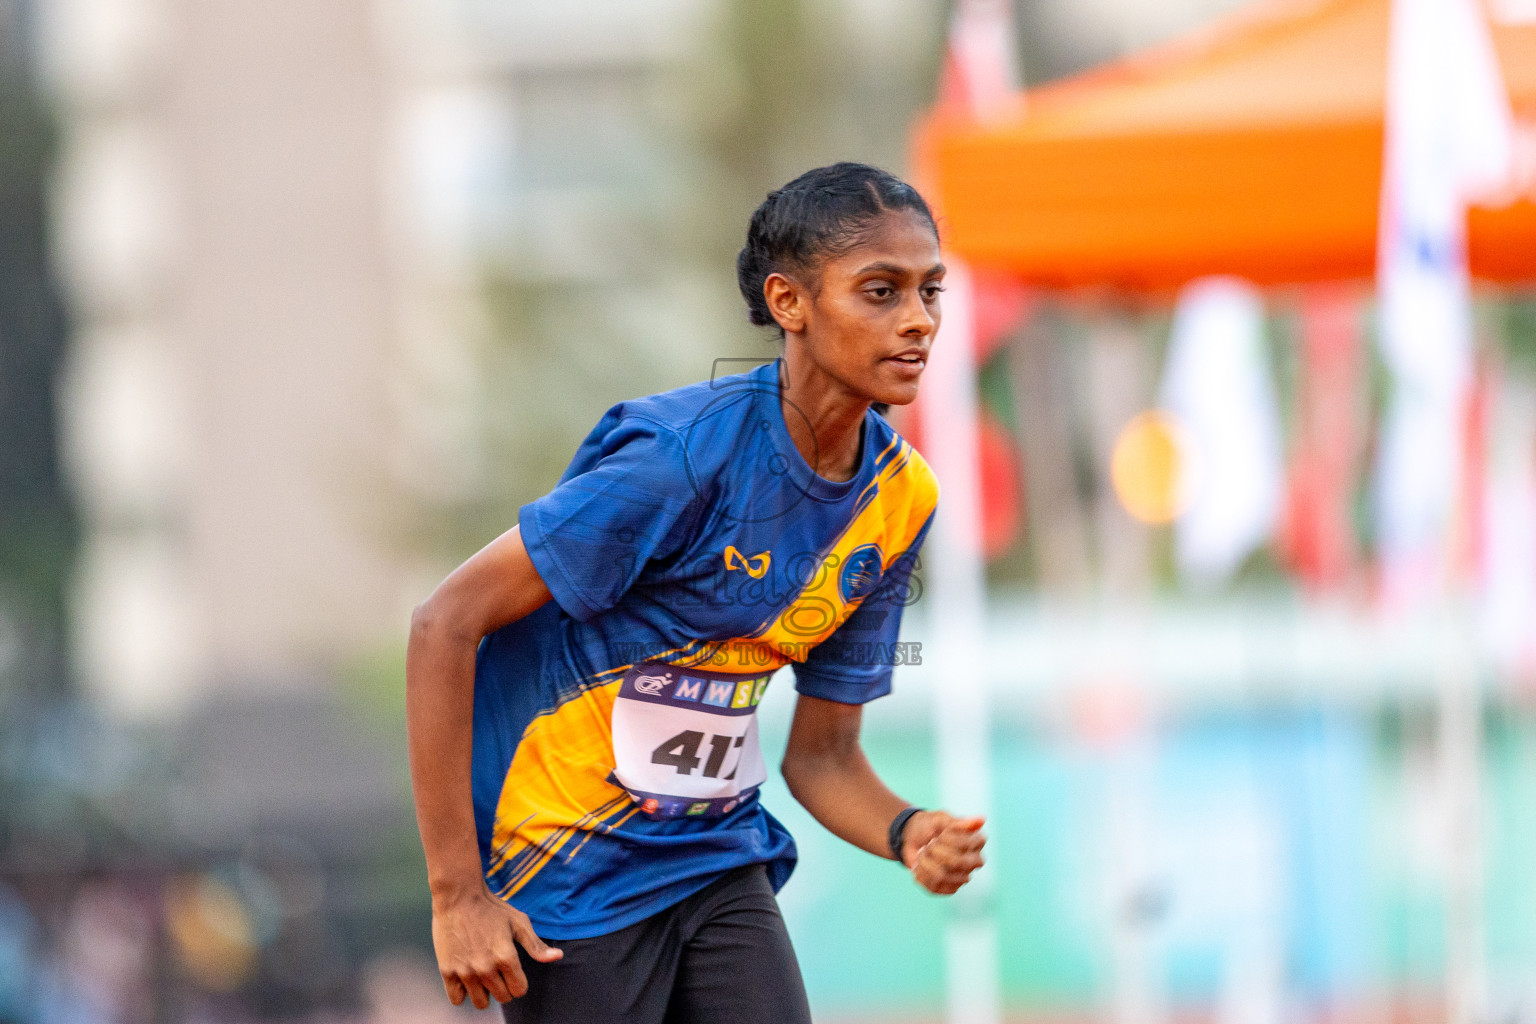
[(582, 693)]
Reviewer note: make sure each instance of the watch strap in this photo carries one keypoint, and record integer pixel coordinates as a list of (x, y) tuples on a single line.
[(897, 832)]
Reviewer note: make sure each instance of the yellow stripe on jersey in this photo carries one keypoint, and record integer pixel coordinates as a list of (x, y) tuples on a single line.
[(892, 511), (557, 782)]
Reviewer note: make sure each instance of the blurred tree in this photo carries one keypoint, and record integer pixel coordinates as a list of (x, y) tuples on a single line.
[(37, 523), (634, 177), (793, 84), (1518, 329)]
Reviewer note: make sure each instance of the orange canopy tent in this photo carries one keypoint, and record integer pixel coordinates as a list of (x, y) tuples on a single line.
[(1253, 148)]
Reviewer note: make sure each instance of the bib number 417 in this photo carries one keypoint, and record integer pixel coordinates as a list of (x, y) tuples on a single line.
[(682, 752)]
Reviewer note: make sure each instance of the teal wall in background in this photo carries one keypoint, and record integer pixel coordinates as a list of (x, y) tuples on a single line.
[(1312, 826), (1511, 815), (867, 937)]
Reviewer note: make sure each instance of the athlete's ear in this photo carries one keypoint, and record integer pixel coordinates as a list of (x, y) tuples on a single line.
[(786, 301)]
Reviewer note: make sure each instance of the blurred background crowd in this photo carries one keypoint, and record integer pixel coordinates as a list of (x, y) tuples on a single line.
[(300, 301)]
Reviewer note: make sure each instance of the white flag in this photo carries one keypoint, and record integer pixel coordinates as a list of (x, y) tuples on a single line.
[(1216, 384), (1448, 138)]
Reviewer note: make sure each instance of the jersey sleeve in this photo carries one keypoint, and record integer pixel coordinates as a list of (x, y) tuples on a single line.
[(854, 664), (626, 499)]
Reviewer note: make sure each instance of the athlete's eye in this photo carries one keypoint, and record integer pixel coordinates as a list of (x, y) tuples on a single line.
[(931, 291), (880, 291)]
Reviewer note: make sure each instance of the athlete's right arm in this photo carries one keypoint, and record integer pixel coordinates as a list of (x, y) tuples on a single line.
[(472, 931)]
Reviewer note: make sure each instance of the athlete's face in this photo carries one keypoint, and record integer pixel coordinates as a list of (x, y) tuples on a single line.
[(868, 317)]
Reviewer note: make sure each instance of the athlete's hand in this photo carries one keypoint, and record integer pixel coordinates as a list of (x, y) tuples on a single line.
[(476, 937), (941, 851)]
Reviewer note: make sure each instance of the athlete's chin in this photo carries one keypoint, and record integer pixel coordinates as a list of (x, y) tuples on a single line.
[(895, 388)]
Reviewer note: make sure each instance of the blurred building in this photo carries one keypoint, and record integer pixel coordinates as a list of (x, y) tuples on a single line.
[(282, 228), (220, 224)]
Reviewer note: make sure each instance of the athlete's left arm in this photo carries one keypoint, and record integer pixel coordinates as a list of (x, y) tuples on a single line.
[(828, 773)]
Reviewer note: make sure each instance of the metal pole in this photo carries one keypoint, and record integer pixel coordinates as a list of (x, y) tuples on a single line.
[(957, 588)]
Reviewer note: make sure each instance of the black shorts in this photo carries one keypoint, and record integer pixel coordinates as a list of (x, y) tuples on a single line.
[(721, 956)]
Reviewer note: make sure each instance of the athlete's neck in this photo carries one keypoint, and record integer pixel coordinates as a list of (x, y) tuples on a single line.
[(825, 419)]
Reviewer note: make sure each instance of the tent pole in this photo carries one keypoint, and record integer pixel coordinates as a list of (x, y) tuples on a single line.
[(957, 589)]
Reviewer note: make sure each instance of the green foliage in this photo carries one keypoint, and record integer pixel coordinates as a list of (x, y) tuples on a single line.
[(1516, 319), (37, 526), (374, 685)]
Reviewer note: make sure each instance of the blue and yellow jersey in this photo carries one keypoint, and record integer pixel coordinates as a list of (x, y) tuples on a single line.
[(691, 552)]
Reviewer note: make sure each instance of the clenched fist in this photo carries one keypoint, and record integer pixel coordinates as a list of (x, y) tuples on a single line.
[(942, 851)]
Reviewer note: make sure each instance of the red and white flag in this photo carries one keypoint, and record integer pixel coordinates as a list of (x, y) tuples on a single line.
[(1449, 137), (1329, 415), (980, 75), (981, 65)]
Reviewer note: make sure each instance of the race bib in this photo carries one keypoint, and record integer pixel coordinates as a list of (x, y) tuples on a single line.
[(685, 740)]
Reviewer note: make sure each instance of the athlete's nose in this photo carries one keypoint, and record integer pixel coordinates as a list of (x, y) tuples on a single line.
[(917, 321)]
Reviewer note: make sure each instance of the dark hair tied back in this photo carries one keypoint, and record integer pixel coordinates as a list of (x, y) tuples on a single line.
[(820, 215)]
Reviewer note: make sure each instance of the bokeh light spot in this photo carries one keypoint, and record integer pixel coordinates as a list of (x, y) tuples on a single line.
[(212, 932), (1150, 467)]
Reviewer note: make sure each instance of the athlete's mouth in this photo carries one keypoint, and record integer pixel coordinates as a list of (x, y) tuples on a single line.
[(914, 357)]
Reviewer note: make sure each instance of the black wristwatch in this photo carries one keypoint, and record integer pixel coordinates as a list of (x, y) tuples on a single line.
[(895, 834)]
